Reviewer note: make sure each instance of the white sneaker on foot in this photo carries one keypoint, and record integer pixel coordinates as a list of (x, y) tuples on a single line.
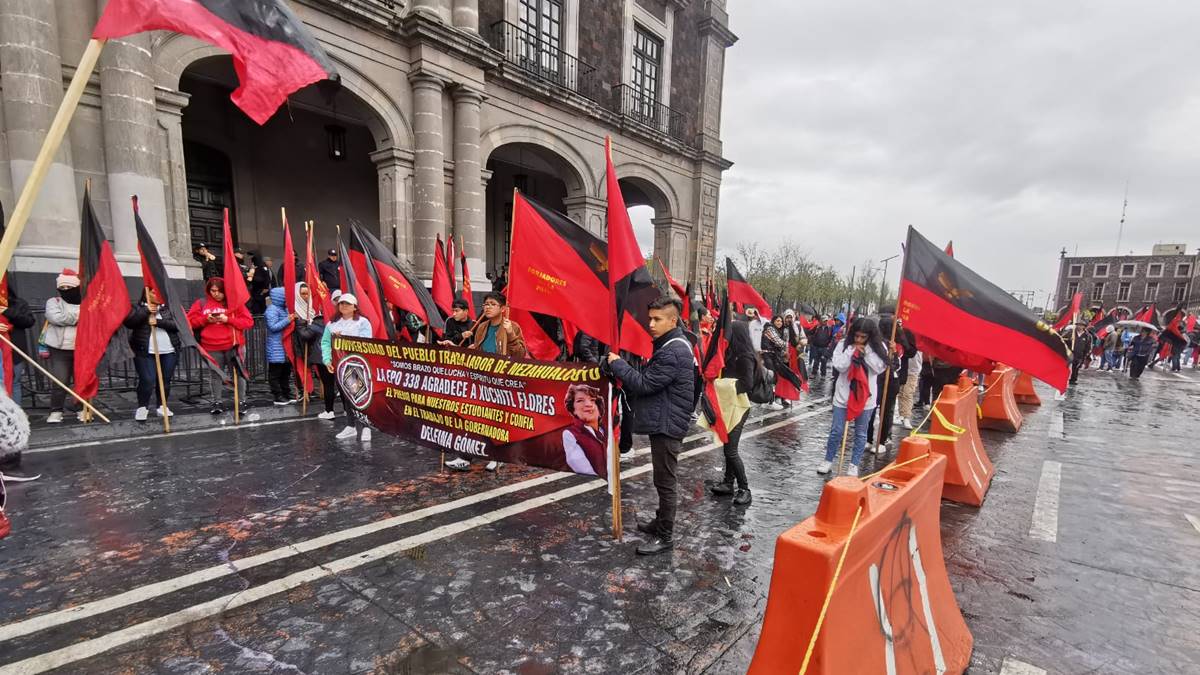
[(347, 433), (825, 468), (141, 414), (459, 464), (54, 418), (366, 435), (880, 449), (328, 415), (852, 471), (492, 466), (907, 424), (170, 413)]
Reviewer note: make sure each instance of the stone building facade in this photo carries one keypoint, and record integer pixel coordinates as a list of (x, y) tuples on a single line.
[(1168, 276), (443, 107)]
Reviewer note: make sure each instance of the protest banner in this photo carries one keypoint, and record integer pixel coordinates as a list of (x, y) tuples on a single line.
[(520, 411)]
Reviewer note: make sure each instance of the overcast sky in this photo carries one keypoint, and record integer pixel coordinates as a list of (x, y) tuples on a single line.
[(1010, 127)]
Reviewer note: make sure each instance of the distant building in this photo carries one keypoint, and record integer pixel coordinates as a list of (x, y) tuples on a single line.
[(1169, 276)]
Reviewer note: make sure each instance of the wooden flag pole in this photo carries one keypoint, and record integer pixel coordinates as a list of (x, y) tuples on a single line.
[(45, 157), (887, 378), (614, 473), (162, 389), (88, 407), (307, 376), (237, 408)]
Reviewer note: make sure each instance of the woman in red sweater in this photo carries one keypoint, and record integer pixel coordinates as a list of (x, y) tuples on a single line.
[(221, 333)]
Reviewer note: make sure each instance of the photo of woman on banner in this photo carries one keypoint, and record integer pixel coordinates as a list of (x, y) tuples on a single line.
[(585, 440)]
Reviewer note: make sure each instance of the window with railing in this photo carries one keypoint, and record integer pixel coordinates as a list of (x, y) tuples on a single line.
[(646, 77), (541, 37)]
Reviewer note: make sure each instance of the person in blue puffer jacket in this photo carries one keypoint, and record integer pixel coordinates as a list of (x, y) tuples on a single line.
[(279, 370)]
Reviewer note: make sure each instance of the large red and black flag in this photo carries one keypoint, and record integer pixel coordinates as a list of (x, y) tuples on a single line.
[(945, 301), (468, 295), (104, 307), (443, 281), (401, 286), (711, 365), (322, 298), (559, 268), (1068, 316), (629, 281), (354, 281), (741, 292), (1149, 314), (684, 292), (1106, 323), (154, 275), (1172, 335), (5, 348), (273, 53), (1097, 316)]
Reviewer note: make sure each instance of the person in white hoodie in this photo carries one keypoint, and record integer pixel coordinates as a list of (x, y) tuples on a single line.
[(863, 342), (350, 324), (62, 317)]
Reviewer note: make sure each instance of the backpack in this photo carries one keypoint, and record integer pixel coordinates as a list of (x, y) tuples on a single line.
[(763, 390)]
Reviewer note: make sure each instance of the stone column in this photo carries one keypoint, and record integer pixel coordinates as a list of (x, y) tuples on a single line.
[(672, 245), (131, 141), (466, 15), (434, 9), (394, 167), (31, 77), (468, 177), (429, 169), (169, 105)]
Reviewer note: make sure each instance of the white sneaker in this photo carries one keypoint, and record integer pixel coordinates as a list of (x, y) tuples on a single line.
[(251, 417), (825, 468), (492, 466), (907, 424), (54, 418), (880, 449), (141, 414), (776, 406), (170, 413), (326, 415), (852, 471), (81, 415), (459, 464), (366, 435), (347, 433)]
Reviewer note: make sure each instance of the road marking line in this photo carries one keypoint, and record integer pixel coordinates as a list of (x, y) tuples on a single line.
[(173, 434), (1045, 507), (154, 590), (89, 648), (1015, 667), (1056, 429), (1193, 520)]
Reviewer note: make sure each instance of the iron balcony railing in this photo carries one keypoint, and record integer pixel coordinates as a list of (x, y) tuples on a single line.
[(536, 57), (648, 112)]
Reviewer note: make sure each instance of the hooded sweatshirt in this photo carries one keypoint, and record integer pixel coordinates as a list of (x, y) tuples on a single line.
[(277, 319), (218, 337)]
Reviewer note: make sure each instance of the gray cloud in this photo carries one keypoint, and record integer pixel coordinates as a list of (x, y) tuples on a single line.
[(1010, 128)]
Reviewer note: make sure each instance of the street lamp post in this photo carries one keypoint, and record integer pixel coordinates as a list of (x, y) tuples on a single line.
[(883, 282)]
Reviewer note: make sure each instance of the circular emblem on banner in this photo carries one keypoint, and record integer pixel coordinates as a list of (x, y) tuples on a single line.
[(354, 376)]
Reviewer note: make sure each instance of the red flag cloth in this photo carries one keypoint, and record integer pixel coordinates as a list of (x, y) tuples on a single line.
[(273, 53), (370, 282), (1149, 314), (1068, 316), (570, 332), (558, 268), (466, 280), (945, 301), (860, 387), (954, 357), (5, 350), (401, 286), (631, 287), (679, 289), (289, 295), (358, 283), (950, 248), (1191, 322), (712, 411), (105, 301), (322, 300), (450, 260), (741, 292), (538, 344), (236, 293), (443, 291), (784, 389), (1097, 316)]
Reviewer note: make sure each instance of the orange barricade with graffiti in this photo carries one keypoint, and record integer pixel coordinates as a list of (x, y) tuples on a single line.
[(866, 575), (999, 407), (954, 432), (1024, 391)]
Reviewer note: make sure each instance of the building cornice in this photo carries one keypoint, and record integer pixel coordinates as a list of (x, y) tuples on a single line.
[(710, 25)]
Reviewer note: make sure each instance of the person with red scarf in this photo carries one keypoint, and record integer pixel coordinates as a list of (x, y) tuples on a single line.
[(858, 359), (221, 335)]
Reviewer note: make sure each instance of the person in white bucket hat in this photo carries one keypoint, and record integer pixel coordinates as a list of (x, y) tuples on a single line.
[(348, 323)]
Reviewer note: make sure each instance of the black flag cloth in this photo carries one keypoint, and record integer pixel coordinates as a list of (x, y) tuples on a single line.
[(944, 300)]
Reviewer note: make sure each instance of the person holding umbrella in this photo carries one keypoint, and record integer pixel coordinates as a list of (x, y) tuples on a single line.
[(1140, 351)]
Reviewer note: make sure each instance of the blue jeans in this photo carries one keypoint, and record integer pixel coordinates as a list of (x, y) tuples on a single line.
[(860, 434), (147, 384), (18, 371)]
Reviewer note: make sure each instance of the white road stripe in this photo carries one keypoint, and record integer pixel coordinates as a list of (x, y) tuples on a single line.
[(1057, 426), (174, 434), (104, 643), (154, 590), (1015, 667), (1193, 520), (1045, 507)]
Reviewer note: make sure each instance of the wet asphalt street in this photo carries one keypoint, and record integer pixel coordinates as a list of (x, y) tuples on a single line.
[(276, 549)]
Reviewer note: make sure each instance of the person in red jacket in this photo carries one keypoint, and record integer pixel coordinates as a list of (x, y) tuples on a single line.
[(221, 333)]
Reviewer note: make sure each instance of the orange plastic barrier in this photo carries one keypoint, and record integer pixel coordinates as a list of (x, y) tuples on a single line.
[(1024, 391), (999, 407), (892, 609), (954, 432)]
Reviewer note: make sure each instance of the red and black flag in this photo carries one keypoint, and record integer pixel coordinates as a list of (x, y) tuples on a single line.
[(105, 304), (684, 293), (443, 284), (1068, 317), (273, 53), (944, 300), (711, 365), (1172, 335), (632, 288), (322, 299), (789, 385), (154, 274), (1097, 315), (1106, 323), (468, 295), (355, 282), (559, 268), (860, 387), (289, 294), (741, 292), (1149, 314), (535, 327), (401, 286)]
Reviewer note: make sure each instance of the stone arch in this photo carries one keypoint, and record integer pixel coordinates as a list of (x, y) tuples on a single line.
[(652, 183), (175, 53), (576, 175)]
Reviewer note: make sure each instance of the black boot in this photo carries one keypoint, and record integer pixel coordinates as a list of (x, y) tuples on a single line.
[(650, 527), (661, 544), (743, 498), (723, 488)]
